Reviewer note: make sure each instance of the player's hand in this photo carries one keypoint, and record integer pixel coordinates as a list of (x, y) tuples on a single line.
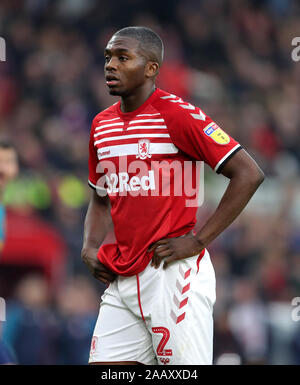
[(174, 249), (98, 270)]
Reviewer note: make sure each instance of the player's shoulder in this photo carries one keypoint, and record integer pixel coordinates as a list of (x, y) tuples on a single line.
[(109, 114), (173, 107)]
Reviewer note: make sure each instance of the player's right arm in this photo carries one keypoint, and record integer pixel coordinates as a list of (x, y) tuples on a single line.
[(97, 221), (96, 226)]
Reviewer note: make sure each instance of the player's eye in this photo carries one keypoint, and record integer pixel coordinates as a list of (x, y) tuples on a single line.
[(123, 58), (107, 59)]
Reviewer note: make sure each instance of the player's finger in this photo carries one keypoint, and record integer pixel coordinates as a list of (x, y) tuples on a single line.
[(158, 243), (168, 260), (101, 273), (103, 269), (104, 276), (160, 248), (100, 270), (155, 260), (154, 246), (163, 253), (159, 256), (101, 279), (156, 263)]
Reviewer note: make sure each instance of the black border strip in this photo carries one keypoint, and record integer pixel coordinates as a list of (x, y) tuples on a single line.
[(220, 168), (91, 186), (95, 187)]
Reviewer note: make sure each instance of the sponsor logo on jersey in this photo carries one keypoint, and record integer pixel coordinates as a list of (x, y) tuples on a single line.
[(103, 153), (121, 182), (216, 133), (143, 149)]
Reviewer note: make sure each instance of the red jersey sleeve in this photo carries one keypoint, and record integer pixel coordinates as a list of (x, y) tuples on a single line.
[(193, 132)]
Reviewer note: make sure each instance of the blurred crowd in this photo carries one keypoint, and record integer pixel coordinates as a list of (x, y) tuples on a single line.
[(233, 59)]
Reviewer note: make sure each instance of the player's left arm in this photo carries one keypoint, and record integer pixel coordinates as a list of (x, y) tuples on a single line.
[(245, 177)]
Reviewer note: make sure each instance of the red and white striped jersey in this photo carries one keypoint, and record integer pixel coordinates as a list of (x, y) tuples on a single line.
[(147, 162)]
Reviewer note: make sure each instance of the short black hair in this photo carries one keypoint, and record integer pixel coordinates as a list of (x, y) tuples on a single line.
[(150, 43)]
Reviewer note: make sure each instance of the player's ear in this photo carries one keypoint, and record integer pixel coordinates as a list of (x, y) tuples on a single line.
[(151, 69)]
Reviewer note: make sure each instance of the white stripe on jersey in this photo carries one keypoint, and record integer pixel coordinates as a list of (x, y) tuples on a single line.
[(108, 131), (132, 136), (171, 96), (226, 156), (109, 125), (108, 120), (147, 121), (148, 114), (129, 129), (145, 127), (132, 149)]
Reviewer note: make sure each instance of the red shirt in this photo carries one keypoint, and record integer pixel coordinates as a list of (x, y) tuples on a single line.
[(148, 161)]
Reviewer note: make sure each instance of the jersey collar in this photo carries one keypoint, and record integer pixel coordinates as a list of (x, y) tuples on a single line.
[(132, 114)]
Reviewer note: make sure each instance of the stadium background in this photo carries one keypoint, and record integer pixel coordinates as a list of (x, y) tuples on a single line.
[(231, 58)]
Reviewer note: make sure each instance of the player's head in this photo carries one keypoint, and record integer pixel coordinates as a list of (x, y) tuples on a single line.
[(133, 57), (8, 162)]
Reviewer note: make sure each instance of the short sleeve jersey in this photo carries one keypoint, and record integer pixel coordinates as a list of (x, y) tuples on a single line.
[(149, 163)]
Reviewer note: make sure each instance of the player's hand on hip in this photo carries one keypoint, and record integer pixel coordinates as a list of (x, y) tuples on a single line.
[(98, 270), (174, 249)]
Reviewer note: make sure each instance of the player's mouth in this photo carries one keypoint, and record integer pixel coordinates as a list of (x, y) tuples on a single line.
[(111, 80)]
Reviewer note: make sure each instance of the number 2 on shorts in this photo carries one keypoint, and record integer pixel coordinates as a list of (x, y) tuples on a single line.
[(165, 338)]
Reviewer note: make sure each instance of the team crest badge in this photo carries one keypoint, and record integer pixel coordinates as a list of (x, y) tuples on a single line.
[(216, 133), (143, 149)]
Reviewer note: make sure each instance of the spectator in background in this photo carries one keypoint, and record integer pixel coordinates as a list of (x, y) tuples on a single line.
[(77, 308), (284, 332), (42, 331), (6, 355), (295, 346), (8, 171), (248, 322), (226, 345), (31, 327)]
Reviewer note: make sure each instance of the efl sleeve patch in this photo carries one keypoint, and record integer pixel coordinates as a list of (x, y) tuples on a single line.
[(216, 133)]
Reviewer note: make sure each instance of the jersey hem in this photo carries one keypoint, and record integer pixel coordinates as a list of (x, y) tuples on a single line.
[(133, 270)]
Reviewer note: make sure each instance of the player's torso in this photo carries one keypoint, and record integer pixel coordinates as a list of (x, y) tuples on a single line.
[(151, 183)]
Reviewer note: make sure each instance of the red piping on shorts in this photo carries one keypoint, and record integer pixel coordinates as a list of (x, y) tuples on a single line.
[(139, 296), (199, 259)]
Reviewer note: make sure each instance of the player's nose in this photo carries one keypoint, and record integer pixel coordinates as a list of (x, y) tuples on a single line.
[(111, 65)]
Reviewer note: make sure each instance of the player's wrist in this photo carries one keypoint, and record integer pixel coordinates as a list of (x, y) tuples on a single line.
[(88, 251), (200, 245)]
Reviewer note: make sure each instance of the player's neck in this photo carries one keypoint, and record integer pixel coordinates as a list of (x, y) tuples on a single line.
[(134, 101)]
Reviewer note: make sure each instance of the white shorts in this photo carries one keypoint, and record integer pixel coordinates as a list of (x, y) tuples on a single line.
[(158, 316)]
